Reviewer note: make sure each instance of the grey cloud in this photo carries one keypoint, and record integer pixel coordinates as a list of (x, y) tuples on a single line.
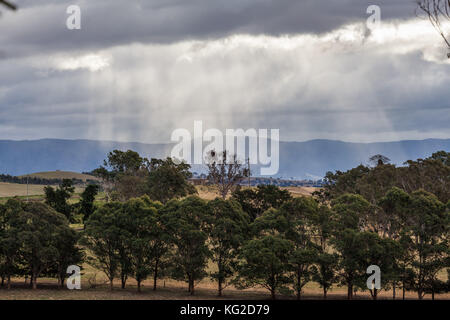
[(362, 94), (40, 24)]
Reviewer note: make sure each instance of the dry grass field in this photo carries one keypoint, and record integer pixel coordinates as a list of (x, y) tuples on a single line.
[(61, 175), (35, 192), (171, 290), (9, 190), (95, 286), (300, 191), (14, 189)]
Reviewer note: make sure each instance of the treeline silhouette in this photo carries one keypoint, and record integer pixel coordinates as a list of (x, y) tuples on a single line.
[(40, 181)]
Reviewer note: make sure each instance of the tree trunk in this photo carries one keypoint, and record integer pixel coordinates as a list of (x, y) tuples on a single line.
[(111, 284), (8, 282), (419, 293), (61, 280), (350, 291), (34, 282), (220, 287), (273, 294), (191, 286), (403, 291), (139, 285), (325, 293), (155, 276), (3, 280), (393, 291), (123, 280), (299, 288)]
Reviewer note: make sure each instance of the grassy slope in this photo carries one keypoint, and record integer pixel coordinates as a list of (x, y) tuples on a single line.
[(61, 175), (14, 189), (8, 190)]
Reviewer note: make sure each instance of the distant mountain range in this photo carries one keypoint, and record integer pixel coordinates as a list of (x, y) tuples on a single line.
[(299, 160)]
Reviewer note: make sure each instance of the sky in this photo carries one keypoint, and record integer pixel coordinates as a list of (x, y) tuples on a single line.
[(138, 70)]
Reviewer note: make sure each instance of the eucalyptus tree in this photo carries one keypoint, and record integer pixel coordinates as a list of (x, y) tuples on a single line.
[(103, 238), (300, 214), (159, 241), (228, 227), (57, 198), (10, 243), (427, 232), (140, 227), (324, 270), (68, 252), (45, 239), (294, 222), (87, 205), (168, 180), (185, 222), (396, 204), (348, 209), (255, 201), (265, 262)]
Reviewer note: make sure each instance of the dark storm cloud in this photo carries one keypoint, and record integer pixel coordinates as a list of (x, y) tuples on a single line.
[(40, 24)]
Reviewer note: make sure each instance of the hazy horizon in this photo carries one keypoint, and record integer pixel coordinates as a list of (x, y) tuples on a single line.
[(171, 142)]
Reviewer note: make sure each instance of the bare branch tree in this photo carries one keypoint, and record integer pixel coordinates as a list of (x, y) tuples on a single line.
[(379, 159), (8, 4), (436, 10), (224, 172)]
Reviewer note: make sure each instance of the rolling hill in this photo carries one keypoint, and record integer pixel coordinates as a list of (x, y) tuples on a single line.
[(300, 160), (60, 175)]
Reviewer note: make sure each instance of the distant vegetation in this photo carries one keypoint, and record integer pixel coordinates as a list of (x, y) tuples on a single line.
[(30, 180), (49, 178)]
